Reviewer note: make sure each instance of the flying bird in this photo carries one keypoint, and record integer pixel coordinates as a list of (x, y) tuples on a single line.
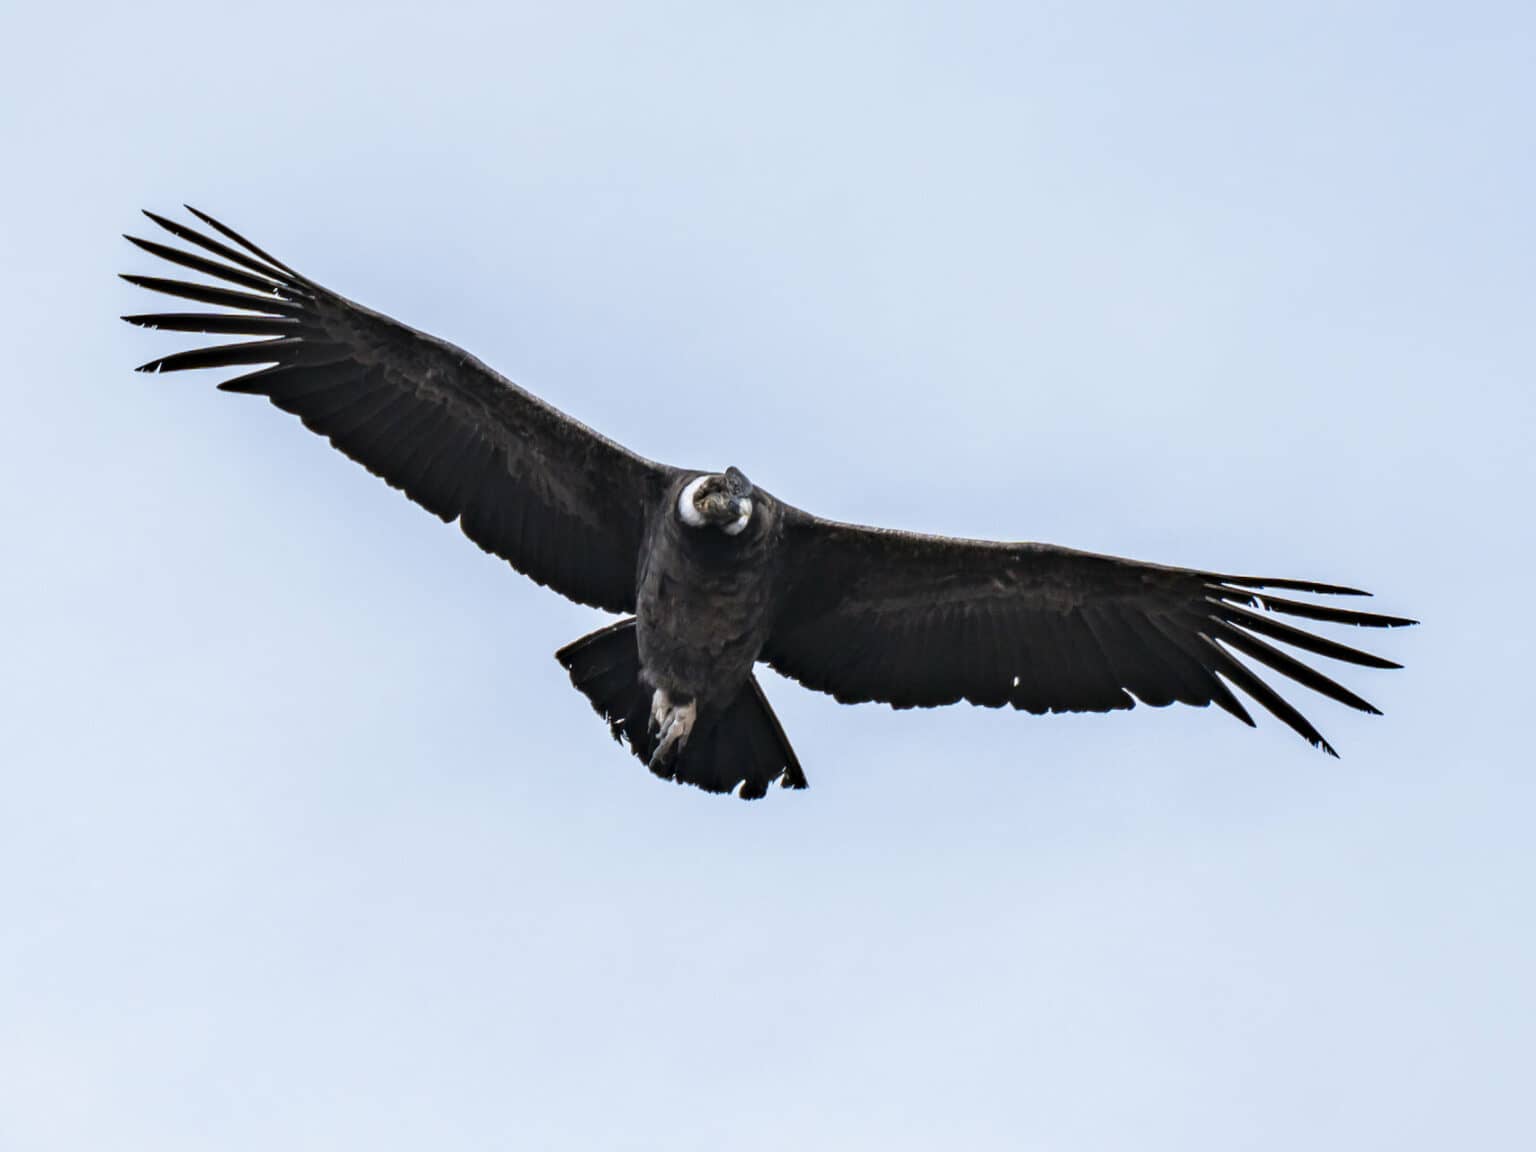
[(714, 574)]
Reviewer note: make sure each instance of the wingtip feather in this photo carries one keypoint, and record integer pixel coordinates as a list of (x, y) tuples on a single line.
[(1292, 584), (256, 250)]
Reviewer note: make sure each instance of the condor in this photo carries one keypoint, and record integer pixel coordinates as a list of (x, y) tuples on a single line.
[(715, 574)]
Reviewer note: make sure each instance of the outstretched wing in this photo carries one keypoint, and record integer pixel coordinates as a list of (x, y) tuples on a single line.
[(526, 482), (917, 621)]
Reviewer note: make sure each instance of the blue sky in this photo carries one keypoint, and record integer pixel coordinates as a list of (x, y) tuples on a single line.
[(306, 841)]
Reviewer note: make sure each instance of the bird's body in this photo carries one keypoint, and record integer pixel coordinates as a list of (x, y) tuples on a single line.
[(703, 609), (704, 600), (715, 574)]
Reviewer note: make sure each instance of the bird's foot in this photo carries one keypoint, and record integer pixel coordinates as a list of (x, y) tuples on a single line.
[(671, 724)]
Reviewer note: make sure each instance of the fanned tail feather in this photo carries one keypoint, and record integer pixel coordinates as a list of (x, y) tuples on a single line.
[(741, 750)]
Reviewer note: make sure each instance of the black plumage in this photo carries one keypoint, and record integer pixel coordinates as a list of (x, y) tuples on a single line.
[(717, 574)]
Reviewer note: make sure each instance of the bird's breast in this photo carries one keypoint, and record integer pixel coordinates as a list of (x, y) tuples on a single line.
[(702, 614)]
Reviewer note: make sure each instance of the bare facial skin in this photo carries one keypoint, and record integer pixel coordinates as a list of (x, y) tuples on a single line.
[(717, 501)]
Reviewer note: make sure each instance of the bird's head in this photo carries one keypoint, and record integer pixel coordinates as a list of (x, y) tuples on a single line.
[(720, 500)]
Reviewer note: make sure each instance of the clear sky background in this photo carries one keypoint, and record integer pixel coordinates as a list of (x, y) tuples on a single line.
[(306, 843)]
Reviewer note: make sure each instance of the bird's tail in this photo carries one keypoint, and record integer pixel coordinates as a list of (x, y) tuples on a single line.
[(743, 745)]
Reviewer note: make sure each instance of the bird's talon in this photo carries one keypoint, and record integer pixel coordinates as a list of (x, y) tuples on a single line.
[(672, 724)]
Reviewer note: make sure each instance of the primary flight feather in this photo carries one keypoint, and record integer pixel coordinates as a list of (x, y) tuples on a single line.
[(714, 572)]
